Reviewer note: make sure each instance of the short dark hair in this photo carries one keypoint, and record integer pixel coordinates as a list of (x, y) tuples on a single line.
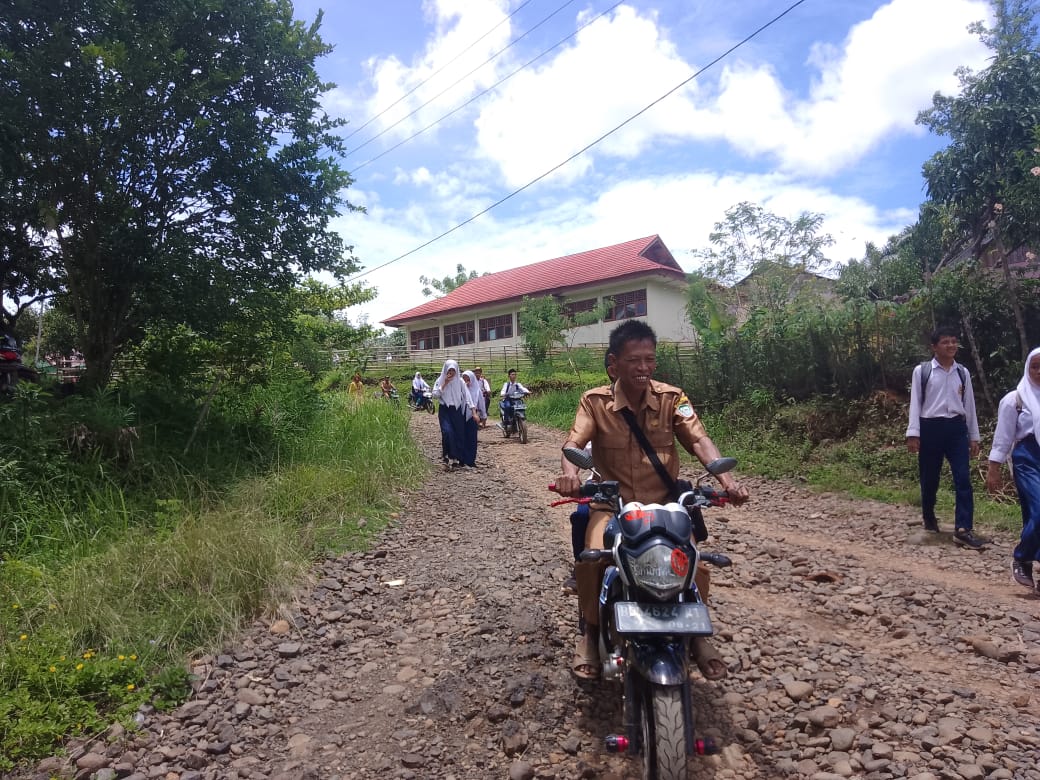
[(631, 330), (511, 371), (943, 332)]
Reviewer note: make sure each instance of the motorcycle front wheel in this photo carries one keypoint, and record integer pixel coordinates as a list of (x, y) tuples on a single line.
[(521, 429), (429, 407), (664, 743)]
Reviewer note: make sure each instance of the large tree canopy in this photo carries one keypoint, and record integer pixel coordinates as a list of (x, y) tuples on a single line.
[(990, 125), (982, 177), (171, 160)]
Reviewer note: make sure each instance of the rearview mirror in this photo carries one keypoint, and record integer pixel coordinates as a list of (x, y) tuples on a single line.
[(721, 466), (582, 458)]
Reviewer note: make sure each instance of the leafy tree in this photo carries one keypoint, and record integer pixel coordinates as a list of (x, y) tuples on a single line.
[(171, 161), (57, 332), (709, 308), (777, 252), (885, 273), (752, 240), (990, 124), (438, 287), (544, 323)]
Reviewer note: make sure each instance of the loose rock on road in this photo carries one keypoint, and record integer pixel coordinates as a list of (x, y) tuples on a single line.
[(858, 647)]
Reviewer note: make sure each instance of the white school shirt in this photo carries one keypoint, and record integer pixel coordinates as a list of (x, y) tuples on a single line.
[(942, 398)]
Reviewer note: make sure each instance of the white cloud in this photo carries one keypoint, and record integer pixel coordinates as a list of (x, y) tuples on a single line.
[(545, 114), (467, 33), (886, 71)]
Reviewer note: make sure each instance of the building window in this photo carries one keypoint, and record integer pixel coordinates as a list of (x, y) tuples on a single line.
[(495, 328), (430, 338), (573, 308), (459, 334), (626, 305)]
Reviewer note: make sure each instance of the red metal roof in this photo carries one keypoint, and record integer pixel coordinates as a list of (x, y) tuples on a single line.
[(640, 257)]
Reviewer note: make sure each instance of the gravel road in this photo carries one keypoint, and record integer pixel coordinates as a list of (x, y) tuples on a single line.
[(858, 645)]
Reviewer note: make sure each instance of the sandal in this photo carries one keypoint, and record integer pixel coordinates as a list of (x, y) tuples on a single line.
[(708, 660), (585, 665)]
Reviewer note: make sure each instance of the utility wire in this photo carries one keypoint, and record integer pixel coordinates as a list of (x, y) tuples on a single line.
[(582, 151), (442, 67), (481, 94), (387, 129)]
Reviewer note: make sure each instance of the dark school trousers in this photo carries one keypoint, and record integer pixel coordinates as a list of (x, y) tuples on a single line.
[(946, 437)]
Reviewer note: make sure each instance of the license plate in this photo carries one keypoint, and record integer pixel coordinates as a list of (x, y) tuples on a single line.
[(685, 618)]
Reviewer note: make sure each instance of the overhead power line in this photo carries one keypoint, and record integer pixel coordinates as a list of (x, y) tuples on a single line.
[(582, 151), (419, 108), (483, 92), (442, 67)]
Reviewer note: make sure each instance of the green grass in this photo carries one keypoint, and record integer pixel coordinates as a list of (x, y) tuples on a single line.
[(93, 630)]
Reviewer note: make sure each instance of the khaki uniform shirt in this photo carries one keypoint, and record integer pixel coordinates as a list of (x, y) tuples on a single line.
[(666, 415)]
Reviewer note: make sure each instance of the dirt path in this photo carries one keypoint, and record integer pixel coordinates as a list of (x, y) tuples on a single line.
[(857, 645)]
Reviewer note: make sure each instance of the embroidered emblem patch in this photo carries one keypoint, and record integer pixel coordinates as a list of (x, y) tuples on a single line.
[(685, 409)]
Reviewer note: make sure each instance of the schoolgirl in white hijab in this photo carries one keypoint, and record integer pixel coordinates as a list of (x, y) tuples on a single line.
[(455, 409), (476, 395), (450, 388), (1017, 434)]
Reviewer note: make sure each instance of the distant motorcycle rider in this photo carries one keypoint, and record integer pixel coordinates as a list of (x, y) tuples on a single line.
[(419, 386), (510, 388)]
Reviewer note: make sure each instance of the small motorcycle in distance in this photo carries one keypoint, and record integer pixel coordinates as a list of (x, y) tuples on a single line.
[(12, 370), (424, 403), (650, 611), (516, 421)]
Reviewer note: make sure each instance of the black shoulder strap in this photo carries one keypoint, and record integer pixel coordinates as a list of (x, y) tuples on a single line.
[(926, 371), (650, 454)]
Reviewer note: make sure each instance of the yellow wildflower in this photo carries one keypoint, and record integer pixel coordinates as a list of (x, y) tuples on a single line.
[(130, 687), (79, 667), (121, 657), (54, 669), (23, 637)]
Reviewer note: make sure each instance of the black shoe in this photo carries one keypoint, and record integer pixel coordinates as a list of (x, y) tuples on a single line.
[(570, 585), (932, 525), (965, 538), (1022, 573)]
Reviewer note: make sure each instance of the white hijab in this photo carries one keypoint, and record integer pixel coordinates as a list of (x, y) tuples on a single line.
[(418, 383), (1029, 393), (476, 392), (451, 392)]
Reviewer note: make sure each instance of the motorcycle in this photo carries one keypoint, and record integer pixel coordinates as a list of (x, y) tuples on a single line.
[(649, 612), (424, 402), (516, 421), (12, 370)]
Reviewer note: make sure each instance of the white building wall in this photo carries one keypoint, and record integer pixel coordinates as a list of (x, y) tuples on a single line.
[(666, 314)]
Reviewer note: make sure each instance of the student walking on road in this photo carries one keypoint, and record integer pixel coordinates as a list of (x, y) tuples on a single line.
[(942, 425), (1016, 436)]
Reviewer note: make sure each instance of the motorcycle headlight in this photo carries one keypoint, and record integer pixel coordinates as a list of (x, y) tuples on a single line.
[(660, 570)]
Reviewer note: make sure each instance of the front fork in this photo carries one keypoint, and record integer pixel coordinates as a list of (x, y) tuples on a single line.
[(661, 661)]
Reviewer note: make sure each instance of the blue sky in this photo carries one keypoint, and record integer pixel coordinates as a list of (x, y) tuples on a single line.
[(816, 114)]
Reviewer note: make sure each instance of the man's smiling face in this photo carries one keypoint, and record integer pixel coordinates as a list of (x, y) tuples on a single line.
[(634, 367)]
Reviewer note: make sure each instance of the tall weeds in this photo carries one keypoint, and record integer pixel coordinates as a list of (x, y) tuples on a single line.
[(118, 566)]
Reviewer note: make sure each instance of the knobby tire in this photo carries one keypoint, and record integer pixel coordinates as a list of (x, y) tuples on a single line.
[(521, 429)]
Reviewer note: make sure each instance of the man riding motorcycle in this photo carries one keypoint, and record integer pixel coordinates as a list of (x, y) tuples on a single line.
[(664, 414)]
